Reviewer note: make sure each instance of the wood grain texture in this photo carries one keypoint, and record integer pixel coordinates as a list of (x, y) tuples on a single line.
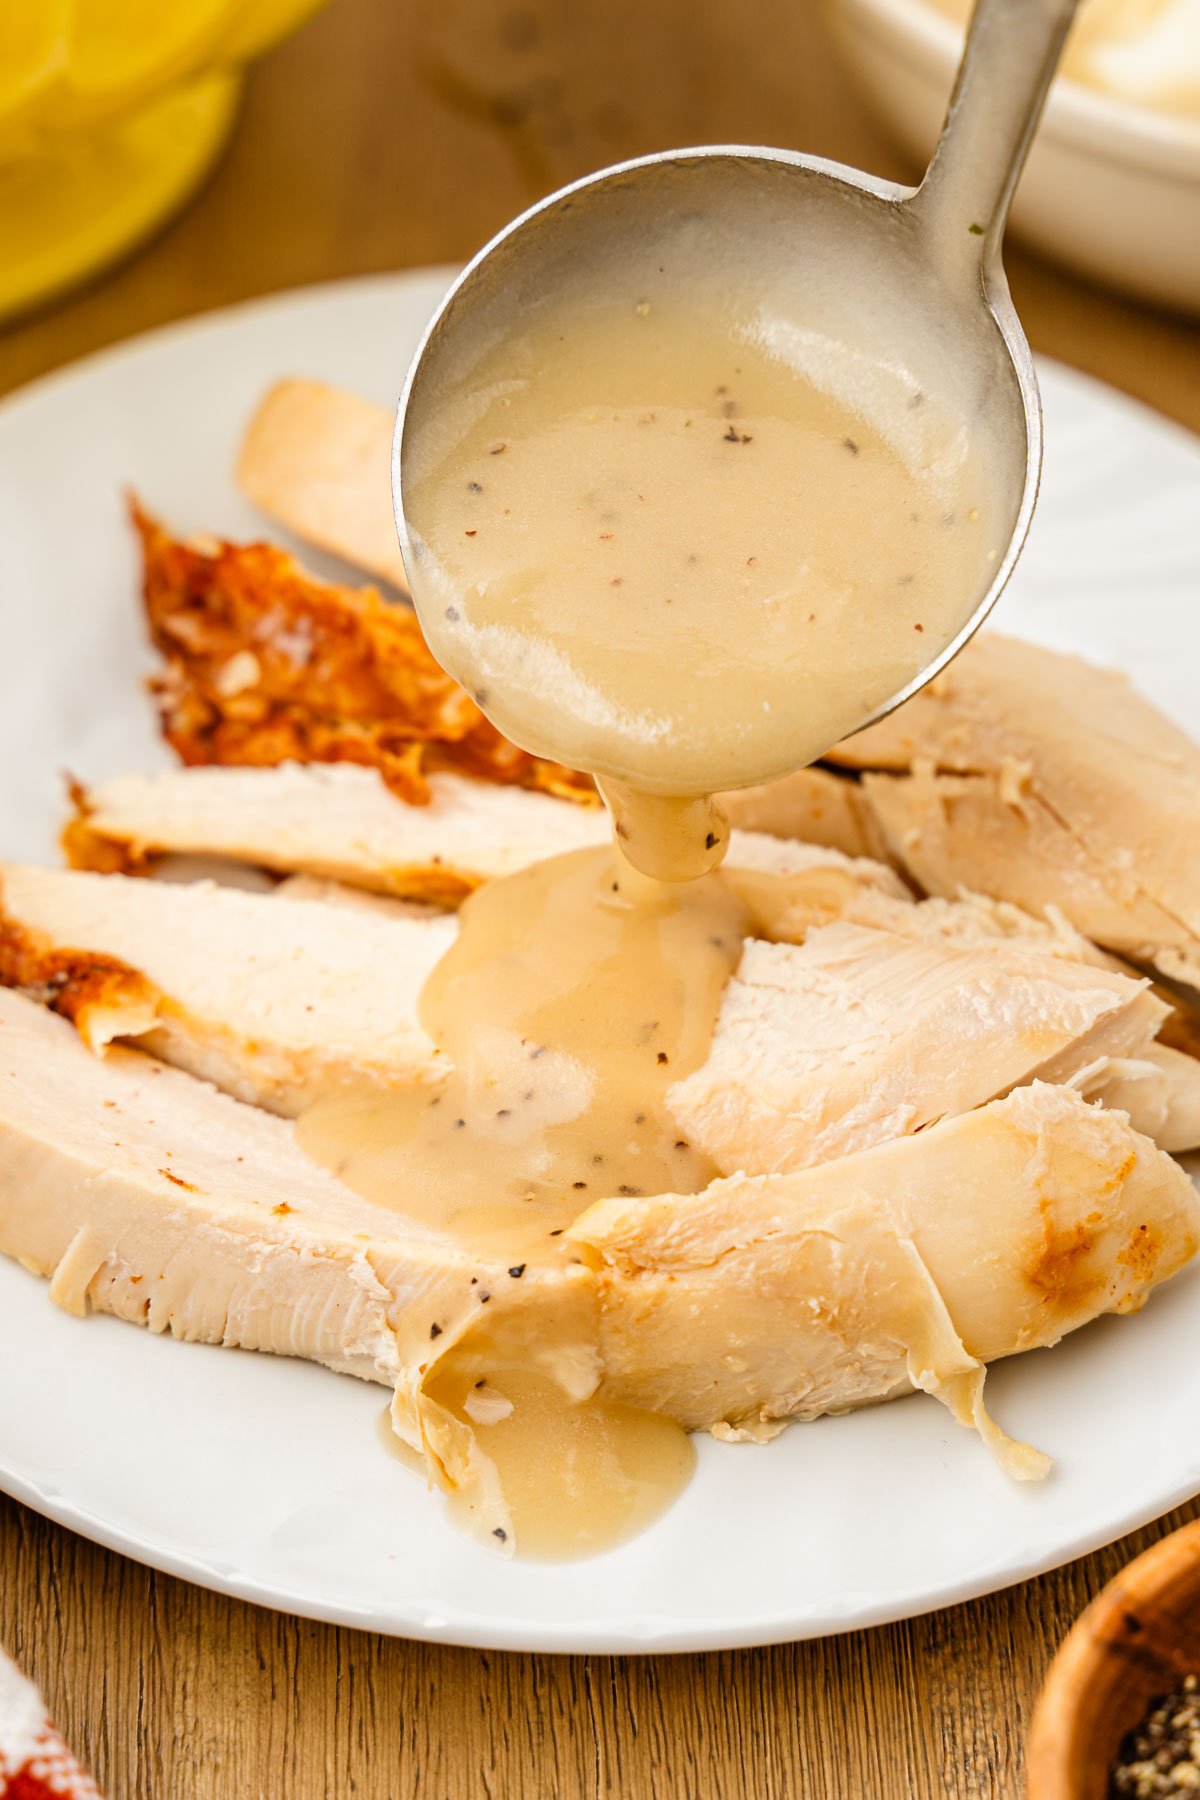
[(391, 133), (173, 1692)]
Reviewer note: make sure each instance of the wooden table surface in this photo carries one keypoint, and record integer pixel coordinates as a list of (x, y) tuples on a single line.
[(390, 133)]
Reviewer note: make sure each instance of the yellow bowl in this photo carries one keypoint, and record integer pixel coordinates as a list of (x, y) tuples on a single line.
[(111, 113)]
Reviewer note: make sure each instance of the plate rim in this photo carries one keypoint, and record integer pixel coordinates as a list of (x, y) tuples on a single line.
[(481, 1632)]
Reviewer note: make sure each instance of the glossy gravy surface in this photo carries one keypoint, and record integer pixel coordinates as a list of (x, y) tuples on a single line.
[(686, 550), (576, 994)]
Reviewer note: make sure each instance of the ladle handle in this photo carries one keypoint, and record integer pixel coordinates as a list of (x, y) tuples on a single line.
[(1011, 53)]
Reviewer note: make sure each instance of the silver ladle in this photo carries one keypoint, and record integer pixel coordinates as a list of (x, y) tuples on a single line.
[(920, 282)]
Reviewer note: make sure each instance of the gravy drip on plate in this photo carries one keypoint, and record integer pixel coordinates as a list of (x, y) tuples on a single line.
[(577, 1478), (684, 547)]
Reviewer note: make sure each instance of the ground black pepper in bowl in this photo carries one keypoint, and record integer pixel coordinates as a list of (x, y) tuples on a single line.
[(1160, 1759)]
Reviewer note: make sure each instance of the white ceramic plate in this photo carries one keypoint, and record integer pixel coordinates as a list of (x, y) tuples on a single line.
[(265, 1478)]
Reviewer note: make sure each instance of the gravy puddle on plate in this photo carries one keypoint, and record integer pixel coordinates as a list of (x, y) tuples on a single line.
[(577, 1479)]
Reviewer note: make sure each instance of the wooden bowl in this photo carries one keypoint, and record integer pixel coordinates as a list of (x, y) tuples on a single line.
[(1134, 1644)]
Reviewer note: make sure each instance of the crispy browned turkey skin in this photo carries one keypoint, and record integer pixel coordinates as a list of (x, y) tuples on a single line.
[(265, 664)]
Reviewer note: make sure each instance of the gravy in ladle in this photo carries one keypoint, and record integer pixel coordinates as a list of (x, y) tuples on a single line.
[(686, 549)]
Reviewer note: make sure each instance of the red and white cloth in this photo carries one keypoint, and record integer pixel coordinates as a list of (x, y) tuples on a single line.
[(35, 1764)]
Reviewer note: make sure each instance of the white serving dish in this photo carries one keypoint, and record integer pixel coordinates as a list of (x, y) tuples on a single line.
[(1112, 189)]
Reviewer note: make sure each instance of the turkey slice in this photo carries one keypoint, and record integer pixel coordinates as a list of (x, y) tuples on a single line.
[(1034, 777), (341, 821), (1021, 1220), (318, 460), (814, 804), (337, 893), (972, 920), (1159, 1088), (860, 1035), (150, 1195), (271, 999)]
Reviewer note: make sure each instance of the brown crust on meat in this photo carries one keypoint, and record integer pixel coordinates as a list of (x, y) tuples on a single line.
[(71, 982), (265, 664), (1141, 1255), (88, 849), (1059, 1268)]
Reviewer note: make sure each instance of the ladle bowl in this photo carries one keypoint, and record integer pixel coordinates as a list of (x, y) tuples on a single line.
[(911, 277)]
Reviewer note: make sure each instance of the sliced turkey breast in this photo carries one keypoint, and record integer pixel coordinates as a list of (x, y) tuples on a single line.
[(150, 1195), (338, 893), (907, 1264), (859, 1035), (814, 804), (1159, 1088), (1037, 778), (272, 999), (318, 460), (342, 822), (339, 821)]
